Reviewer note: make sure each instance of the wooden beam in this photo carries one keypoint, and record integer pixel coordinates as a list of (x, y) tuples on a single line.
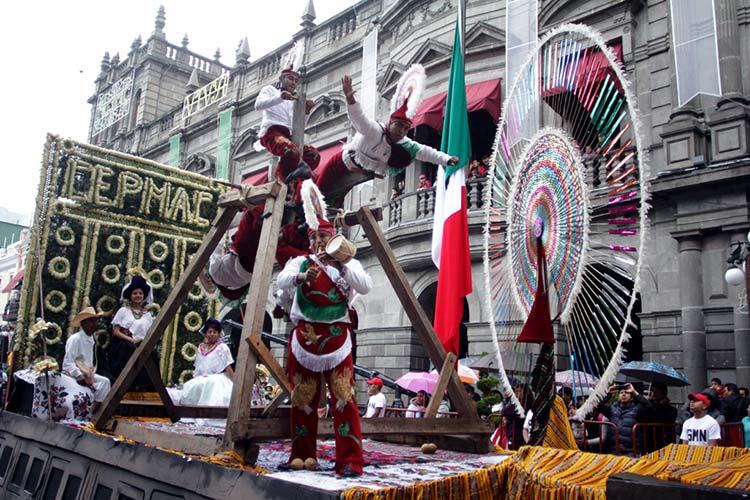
[(239, 406), (185, 443), (271, 407), (152, 369), (442, 383), (262, 352), (263, 428), (248, 195), (414, 311), (174, 301), (352, 218)]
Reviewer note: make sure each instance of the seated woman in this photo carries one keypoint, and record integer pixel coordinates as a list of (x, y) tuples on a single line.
[(130, 326), (211, 384)]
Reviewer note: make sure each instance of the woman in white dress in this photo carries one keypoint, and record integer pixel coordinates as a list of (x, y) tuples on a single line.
[(211, 384), (130, 325)]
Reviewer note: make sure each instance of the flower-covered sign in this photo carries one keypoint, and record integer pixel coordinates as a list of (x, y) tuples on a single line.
[(100, 214)]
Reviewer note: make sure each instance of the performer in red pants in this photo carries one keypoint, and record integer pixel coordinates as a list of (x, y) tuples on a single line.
[(277, 104), (321, 343)]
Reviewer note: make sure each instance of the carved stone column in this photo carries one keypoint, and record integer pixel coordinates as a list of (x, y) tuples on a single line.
[(691, 300), (729, 122)]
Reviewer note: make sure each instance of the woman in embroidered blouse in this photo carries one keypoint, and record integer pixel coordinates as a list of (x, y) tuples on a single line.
[(130, 325), (211, 384)]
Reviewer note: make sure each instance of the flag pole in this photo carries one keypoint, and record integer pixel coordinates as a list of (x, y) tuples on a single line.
[(462, 32)]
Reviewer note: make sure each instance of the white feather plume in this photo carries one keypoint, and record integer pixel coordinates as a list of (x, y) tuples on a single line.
[(410, 87), (313, 204), (293, 58)]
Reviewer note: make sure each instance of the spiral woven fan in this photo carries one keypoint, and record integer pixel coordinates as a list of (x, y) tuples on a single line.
[(568, 160)]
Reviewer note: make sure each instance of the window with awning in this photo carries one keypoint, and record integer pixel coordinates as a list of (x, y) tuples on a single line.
[(14, 281), (256, 179), (483, 95)]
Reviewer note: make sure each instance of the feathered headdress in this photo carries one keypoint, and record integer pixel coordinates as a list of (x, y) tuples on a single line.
[(408, 95), (293, 59), (314, 206)]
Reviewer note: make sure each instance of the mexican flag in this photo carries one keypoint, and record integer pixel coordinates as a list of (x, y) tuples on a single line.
[(450, 233)]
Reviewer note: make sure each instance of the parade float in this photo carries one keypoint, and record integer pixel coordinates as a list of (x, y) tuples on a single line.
[(102, 215)]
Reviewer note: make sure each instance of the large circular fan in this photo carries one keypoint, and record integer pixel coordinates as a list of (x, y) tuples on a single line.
[(568, 162)]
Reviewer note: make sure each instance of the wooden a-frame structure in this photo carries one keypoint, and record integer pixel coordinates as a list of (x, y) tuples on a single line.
[(245, 424)]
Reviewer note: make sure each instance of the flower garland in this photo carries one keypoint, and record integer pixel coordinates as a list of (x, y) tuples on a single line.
[(111, 273), (157, 279), (153, 308), (58, 334), (158, 251), (192, 321), (189, 351), (115, 244), (184, 374), (102, 338), (106, 305), (55, 301), (64, 236), (59, 268), (196, 292)]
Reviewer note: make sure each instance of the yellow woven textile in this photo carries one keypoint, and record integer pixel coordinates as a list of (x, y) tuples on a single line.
[(559, 434), (483, 484), (553, 474)]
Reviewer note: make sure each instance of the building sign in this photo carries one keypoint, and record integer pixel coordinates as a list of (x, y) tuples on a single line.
[(113, 104), (205, 96), (101, 215)]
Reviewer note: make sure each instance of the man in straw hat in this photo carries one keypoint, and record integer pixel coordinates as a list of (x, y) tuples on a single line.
[(79, 360), (376, 147), (321, 342)]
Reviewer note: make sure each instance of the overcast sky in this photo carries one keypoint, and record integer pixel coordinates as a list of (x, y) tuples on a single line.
[(52, 52)]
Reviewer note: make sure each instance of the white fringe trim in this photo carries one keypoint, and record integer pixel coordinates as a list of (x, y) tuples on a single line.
[(320, 362), (416, 74)]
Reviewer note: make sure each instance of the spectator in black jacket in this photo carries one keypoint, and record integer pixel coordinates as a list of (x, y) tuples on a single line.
[(629, 409), (733, 407), (663, 413)]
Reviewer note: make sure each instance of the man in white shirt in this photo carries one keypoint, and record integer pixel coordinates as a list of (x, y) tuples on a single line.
[(376, 403), (277, 104), (79, 360), (701, 429), (375, 147)]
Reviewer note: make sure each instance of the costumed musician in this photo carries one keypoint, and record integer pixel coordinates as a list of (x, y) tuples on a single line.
[(322, 289)]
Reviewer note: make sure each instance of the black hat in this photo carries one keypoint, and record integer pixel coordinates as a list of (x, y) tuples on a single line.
[(211, 323), (138, 282)]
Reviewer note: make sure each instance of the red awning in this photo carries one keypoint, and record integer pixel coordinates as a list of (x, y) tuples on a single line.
[(483, 95), (591, 69), (256, 179), (327, 153), (14, 281)]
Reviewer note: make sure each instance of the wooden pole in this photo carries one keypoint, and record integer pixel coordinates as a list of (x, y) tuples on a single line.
[(414, 311), (239, 406)]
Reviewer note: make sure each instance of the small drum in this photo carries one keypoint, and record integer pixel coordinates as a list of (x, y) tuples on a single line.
[(341, 249)]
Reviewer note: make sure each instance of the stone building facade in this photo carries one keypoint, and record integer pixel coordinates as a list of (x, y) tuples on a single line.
[(699, 156)]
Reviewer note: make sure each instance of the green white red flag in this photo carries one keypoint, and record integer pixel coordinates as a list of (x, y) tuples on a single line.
[(450, 233)]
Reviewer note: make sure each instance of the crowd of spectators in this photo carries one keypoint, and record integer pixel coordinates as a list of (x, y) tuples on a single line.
[(477, 169)]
